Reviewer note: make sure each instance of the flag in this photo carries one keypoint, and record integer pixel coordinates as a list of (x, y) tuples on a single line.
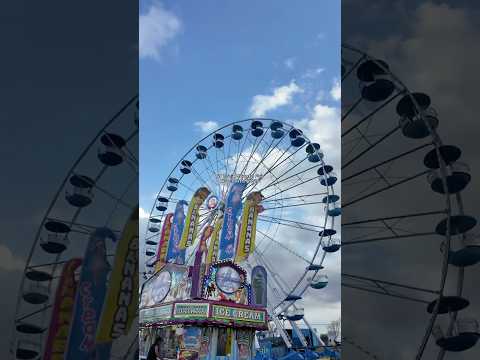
[(62, 311), (232, 208), (212, 255), (174, 253), (189, 233), (246, 241), (164, 240), (90, 296), (121, 302)]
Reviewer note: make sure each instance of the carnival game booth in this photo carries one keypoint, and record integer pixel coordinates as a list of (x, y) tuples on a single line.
[(200, 317)]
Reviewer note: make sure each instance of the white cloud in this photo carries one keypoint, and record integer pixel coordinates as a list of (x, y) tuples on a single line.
[(290, 63), (313, 73), (8, 261), (142, 213), (281, 96), (207, 126), (323, 126), (336, 90), (157, 27)]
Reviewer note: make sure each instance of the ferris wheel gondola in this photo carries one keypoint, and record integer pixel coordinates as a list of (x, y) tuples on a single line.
[(89, 202), (276, 164), (387, 131)]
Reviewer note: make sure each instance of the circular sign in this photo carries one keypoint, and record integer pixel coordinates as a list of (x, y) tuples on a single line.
[(212, 202), (228, 279), (161, 286)]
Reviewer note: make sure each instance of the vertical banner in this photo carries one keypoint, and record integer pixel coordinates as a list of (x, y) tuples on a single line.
[(62, 311), (174, 253), (164, 240), (191, 222), (91, 291), (196, 271), (212, 255), (232, 208), (244, 344), (246, 241), (121, 302), (259, 286)]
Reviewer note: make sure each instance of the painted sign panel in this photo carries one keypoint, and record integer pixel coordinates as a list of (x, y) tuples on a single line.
[(164, 240), (192, 338), (158, 313), (232, 208), (246, 240), (62, 311), (190, 310), (259, 286), (121, 303), (90, 296), (174, 253), (191, 222), (214, 242), (238, 314)]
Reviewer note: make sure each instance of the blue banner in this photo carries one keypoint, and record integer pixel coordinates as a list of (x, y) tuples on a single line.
[(90, 296), (174, 253), (232, 207), (259, 286)]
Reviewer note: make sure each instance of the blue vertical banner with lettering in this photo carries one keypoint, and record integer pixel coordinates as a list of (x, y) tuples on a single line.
[(90, 296), (174, 253), (233, 206)]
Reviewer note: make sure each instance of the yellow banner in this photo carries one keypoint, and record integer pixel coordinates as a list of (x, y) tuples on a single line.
[(191, 221), (121, 303), (246, 240), (163, 244), (214, 241)]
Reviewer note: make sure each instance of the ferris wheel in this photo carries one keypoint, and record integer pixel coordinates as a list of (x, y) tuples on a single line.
[(298, 217), (402, 190), (99, 191)]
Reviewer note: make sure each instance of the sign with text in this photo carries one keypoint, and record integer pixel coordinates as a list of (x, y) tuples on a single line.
[(159, 313), (238, 314), (191, 310)]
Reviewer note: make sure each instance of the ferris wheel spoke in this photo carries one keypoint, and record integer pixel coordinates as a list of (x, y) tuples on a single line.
[(383, 138), (294, 205), (125, 151), (213, 175), (390, 283), (114, 197), (384, 238), (384, 162), (353, 67), (379, 292), (352, 108), (33, 313), (270, 150), (282, 246), (277, 164), (375, 111), (391, 186), (294, 223), (278, 181), (291, 187), (403, 216), (253, 152), (298, 197)]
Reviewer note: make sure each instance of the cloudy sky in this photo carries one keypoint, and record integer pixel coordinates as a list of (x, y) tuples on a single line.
[(207, 64), (432, 47)]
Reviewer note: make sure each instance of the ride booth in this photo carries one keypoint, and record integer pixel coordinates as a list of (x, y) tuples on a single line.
[(200, 312)]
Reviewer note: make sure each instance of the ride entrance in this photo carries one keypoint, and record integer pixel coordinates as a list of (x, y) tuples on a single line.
[(236, 244)]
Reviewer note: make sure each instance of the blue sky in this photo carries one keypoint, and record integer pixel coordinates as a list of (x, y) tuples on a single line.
[(204, 64), (209, 59)]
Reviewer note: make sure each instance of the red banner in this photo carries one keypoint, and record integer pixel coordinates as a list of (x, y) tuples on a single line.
[(59, 329), (164, 239)]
